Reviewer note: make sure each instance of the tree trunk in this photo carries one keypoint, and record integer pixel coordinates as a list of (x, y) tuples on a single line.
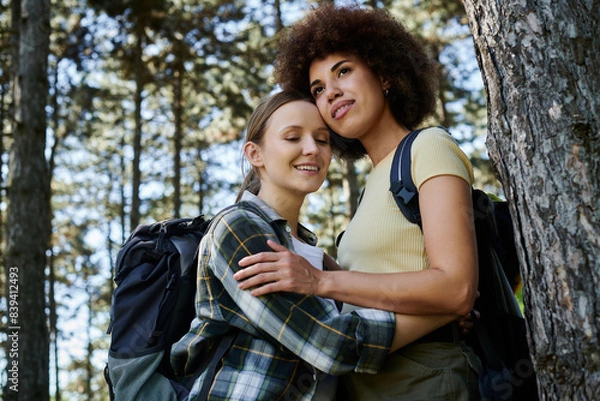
[(122, 196), (201, 177), (178, 111), (89, 369), (52, 307), (53, 320), (134, 217), (278, 19), (351, 188), (541, 67), (28, 213)]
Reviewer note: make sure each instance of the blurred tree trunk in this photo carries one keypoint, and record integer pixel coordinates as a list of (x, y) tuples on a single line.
[(134, 215), (122, 196), (53, 337), (278, 19), (351, 187), (178, 111), (541, 69), (28, 212), (201, 179), (52, 280), (89, 368)]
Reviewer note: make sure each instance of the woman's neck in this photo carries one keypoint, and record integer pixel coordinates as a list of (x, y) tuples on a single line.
[(285, 205), (384, 139)]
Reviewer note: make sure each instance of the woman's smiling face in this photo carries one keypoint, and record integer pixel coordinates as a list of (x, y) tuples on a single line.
[(295, 152), (348, 94)]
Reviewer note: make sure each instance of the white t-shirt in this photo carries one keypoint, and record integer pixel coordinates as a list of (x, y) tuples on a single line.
[(313, 254)]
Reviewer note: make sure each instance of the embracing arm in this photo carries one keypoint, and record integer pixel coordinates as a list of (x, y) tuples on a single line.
[(308, 326), (449, 286)]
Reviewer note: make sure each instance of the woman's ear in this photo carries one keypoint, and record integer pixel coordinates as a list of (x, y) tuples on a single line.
[(385, 84), (253, 154)]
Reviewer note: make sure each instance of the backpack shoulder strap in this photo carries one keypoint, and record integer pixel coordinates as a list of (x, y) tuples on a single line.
[(211, 370), (401, 183)]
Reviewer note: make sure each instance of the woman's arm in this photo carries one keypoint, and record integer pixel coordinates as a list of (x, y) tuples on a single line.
[(308, 326), (449, 286), (412, 327)]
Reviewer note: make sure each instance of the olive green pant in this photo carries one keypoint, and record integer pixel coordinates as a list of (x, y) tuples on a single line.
[(432, 371)]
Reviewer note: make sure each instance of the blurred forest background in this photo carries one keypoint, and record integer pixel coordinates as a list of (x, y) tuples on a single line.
[(146, 108)]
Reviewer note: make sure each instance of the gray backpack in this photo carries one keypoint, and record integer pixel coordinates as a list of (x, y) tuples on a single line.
[(152, 307)]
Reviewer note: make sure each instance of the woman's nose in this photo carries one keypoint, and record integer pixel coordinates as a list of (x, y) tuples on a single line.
[(310, 146), (333, 91)]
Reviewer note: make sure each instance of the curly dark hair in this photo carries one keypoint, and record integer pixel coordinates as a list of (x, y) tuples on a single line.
[(381, 41)]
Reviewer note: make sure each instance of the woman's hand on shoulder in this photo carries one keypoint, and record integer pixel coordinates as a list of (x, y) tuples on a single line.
[(280, 270)]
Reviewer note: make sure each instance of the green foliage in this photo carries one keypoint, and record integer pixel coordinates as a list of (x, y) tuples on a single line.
[(519, 296)]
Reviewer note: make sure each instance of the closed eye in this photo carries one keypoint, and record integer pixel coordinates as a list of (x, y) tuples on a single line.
[(322, 136)]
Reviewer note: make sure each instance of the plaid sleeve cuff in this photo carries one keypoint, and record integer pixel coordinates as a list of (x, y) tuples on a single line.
[(376, 328)]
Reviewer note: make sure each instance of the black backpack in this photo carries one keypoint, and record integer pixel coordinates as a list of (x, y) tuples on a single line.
[(499, 335), (152, 307)]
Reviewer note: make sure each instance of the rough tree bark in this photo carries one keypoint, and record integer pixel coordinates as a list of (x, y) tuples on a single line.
[(28, 212), (540, 63)]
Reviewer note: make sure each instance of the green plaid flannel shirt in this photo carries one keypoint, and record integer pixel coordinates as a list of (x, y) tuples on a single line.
[(285, 342)]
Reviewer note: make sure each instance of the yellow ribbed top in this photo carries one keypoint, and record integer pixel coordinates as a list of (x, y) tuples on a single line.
[(379, 239)]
